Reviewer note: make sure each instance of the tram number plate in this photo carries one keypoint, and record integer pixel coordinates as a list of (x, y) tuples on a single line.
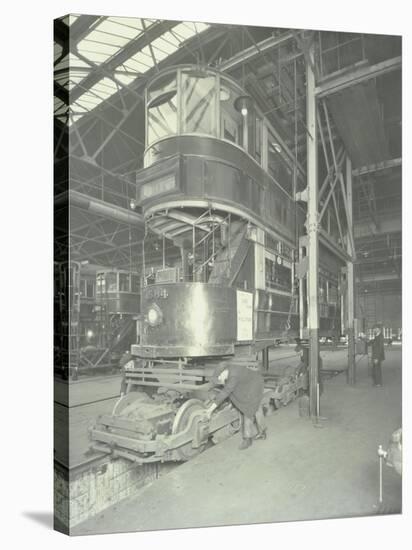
[(157, 292)]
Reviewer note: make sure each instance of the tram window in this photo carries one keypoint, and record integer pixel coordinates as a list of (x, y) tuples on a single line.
[(162, 109), (90, 289), (100, 283), (231, 121), (198, 104), (124, 282), (83, 287), (135, 283), (111, 283), (333, 293), (229, 130), (278, 275), (322, 290), (277, 167)]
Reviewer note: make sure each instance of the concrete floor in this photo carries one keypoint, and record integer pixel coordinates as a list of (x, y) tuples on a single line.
[(300, 472), (76, 407)]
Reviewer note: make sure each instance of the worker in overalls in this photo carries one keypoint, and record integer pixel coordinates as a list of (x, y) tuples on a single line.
[(244, 386)]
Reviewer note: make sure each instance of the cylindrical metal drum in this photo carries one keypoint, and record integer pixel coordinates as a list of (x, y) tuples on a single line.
[(187, 320)]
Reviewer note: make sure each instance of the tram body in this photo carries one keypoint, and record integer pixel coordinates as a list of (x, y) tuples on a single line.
[(219, 278), (98, 313)]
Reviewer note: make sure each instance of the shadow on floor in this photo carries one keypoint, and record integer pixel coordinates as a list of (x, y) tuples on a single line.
[(42, 518)]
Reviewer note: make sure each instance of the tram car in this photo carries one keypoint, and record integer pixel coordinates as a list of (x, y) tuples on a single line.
[(96, 314), (217, 198), (110, 328)]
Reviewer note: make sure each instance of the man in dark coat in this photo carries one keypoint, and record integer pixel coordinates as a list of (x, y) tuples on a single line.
[(378, 355), (244, 386)]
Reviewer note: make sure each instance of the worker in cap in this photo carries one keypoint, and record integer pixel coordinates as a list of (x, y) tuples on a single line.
[(244, 387), (378, 355)]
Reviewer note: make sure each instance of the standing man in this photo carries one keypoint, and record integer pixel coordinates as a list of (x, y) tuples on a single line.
[(244, 387), (378, 355)]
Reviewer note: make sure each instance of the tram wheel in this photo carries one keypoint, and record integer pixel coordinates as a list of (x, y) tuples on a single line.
[(182, 418), (128, 401)]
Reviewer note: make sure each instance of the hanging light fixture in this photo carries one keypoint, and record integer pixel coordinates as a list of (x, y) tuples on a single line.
[(243, 104)]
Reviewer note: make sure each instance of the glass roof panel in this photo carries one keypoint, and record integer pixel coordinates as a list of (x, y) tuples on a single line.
[(97, 47), (108, 38), (133, 65), (75, 79), (170, 39), (126, 78), (119, 29), (187, 30), (97, 93), (96, 56), (163, 47), (62, 79), (73, 61), (104, 38)]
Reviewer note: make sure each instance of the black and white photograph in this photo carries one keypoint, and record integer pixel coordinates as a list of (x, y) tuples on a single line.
[(223, 302), (228, 249)]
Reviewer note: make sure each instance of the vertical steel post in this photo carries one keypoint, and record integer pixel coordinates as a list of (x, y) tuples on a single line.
[(265, 359), (312, 230), (302, 295), (350, 280)]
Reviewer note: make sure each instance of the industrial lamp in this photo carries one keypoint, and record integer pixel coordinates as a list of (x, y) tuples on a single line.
[(243, 104)]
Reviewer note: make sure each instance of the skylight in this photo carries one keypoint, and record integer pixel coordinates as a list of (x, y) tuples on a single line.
[(104, 41), (108, 37)]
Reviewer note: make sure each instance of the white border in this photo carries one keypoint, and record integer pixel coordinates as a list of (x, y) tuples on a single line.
[(26, 258)]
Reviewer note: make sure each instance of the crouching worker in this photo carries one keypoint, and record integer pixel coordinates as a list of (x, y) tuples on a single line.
[(244, 387)]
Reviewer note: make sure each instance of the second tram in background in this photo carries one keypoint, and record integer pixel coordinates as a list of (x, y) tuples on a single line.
[(96, 314), (219, 281)]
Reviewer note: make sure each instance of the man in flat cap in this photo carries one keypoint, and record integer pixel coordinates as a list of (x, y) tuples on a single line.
[(378, 355), (244, 386)]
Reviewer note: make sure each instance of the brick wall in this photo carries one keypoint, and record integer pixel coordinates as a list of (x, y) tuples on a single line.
[(99, 486)]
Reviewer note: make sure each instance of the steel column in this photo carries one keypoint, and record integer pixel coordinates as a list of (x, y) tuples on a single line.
[(350, 280), (312, 230)]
